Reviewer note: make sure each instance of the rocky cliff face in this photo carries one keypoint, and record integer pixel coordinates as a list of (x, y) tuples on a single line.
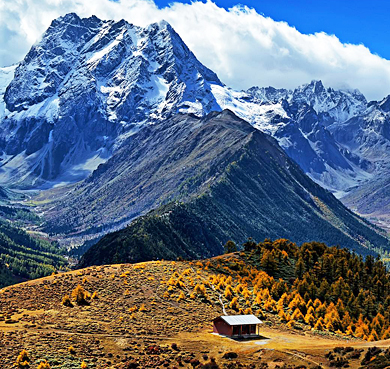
[(367, 136), (86, 86)]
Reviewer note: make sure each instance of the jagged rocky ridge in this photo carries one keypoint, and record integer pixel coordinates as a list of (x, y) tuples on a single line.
[(173, 160)]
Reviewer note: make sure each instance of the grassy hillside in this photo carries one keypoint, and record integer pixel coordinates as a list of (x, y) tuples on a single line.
[(25, 257), (319, 306), (259, 193), (162, 162)]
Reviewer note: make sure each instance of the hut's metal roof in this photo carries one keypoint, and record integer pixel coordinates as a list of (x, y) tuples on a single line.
[(241, 319)]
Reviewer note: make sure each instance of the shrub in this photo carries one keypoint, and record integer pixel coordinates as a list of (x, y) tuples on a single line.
[(80, 295), (175, 347), (194, 363), (355, 354), (71, 350), (230, 355), (339, 362), (43, 365), (22, 361), (66, 301), (211, 364)]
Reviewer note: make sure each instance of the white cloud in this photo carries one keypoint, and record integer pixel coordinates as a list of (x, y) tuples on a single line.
[(243, 47)]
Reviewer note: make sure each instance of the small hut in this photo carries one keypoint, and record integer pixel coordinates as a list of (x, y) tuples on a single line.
[(244, 326)]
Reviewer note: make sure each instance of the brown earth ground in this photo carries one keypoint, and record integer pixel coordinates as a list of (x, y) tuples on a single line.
[(136, 321)]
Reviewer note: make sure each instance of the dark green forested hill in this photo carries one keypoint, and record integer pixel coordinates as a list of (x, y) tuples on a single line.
[(255, 191), (25, 257)]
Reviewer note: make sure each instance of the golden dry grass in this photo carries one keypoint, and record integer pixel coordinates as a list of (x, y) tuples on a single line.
[(136, 318)]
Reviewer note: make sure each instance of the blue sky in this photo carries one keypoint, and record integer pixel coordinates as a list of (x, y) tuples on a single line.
[(356, 22)]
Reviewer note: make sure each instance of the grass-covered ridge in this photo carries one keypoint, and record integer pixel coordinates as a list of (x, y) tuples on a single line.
[(312, 286)]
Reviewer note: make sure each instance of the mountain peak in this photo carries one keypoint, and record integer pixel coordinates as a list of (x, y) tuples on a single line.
[(385, 104), (88, 75), (73, 20), (68, 18), (314, 87), (163, 24), (339, 104), (317, 86)]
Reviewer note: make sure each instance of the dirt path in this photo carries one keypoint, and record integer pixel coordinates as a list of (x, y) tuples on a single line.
[(303, 357)]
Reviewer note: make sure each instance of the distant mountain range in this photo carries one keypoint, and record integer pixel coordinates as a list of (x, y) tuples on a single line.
[(119, 107)]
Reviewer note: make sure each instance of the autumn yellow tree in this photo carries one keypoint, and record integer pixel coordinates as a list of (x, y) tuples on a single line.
[(229, 292)]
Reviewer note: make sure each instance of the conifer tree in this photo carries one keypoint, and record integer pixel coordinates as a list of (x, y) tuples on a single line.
[(230, 247), (229, 292), (300, 268), (268, 262), (297, 315), (346, 321), (319, 325), (309, 319)]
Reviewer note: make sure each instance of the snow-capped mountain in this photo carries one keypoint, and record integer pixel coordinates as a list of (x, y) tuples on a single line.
[(89, 84), (299, 119), (85, 86)]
